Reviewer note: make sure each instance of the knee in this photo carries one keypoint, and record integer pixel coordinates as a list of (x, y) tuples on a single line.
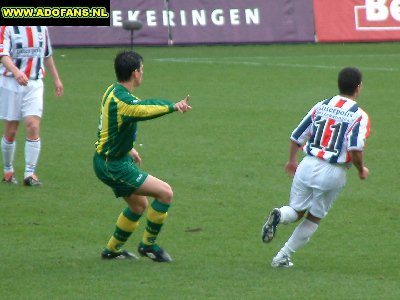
[(167, 194), (140, 207), (9, 136), (10, 131), (32, 129)]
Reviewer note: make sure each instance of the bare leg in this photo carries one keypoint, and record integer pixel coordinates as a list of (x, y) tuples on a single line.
[(156, 188), (136, 203)]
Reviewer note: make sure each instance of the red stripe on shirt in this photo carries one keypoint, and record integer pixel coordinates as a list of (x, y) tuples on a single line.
[(368, 129), (321, 154), (340, 103), (2, 34), (30, 44), (348, 157), (354, 124)]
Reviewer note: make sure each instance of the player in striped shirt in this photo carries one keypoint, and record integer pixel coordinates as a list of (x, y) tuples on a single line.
[(332, 135), (25, 51), (116, 162)]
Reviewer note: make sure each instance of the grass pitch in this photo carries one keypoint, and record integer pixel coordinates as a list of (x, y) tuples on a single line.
[(225, 162)]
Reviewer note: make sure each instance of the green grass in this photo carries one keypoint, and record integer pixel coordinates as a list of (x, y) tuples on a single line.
[(225, 162)]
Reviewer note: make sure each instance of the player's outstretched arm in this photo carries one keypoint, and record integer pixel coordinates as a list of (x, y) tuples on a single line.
[(183, 105)]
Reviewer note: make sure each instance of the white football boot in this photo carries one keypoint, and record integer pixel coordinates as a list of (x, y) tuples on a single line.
[(281, 260)]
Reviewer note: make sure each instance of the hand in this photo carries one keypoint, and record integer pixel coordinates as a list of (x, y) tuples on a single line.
[(364, 173), (183, 105), (291, 167), (21, 78), (59, 88), (136, 157)]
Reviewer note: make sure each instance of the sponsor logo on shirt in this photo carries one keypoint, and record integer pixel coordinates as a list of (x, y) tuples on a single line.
[(139, 177), (336, 113), (28, 52)]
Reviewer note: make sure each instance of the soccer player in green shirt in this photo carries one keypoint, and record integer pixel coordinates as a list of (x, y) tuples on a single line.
[(116, 162)]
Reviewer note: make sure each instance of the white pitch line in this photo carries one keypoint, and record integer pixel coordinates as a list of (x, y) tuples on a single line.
[(318, 56), (206, 61), (199, 60)]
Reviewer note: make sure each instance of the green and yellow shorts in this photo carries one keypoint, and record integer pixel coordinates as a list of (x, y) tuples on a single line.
[(122, 174)]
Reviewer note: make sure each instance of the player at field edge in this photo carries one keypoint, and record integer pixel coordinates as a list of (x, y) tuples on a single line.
[(116, 162), (333, 136), (25, 51)]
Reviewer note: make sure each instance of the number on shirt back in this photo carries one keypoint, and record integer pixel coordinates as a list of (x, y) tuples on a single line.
[(326, 136)]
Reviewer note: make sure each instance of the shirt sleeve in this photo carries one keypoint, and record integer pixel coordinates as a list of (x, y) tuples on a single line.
[(359, 132), (303, 131), (48, 51), (5, 41), (142, 110)]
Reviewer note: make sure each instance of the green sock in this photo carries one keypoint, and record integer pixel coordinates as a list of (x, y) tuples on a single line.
[(127, 222)]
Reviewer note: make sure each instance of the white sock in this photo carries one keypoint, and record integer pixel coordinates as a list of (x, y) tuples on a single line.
[(8, 150), (288, 215), (300, 236), (32, 151)]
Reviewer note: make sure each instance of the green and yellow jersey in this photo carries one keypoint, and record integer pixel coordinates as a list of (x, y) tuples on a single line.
[(119, 114)]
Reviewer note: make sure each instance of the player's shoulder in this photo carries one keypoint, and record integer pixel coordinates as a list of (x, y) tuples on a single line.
[(363, 113), (122, 94), (7, 29)]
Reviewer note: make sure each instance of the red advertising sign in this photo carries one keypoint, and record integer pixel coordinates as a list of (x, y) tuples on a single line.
[(357, 20)]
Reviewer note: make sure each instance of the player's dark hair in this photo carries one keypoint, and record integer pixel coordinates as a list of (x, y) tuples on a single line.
[(348, 80), (125, 63)]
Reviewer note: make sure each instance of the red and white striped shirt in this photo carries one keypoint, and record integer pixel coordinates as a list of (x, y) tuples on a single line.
[(27, 46), (332, 128)]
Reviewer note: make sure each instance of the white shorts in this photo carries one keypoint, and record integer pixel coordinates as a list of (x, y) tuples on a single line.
[(17, 102), (316, 185)]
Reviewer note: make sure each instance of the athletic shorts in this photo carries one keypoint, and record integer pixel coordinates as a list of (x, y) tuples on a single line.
[(17, 102), (316, 185), (122, 175)]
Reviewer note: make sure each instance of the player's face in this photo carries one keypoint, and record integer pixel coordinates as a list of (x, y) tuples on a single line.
[(138, 75)]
